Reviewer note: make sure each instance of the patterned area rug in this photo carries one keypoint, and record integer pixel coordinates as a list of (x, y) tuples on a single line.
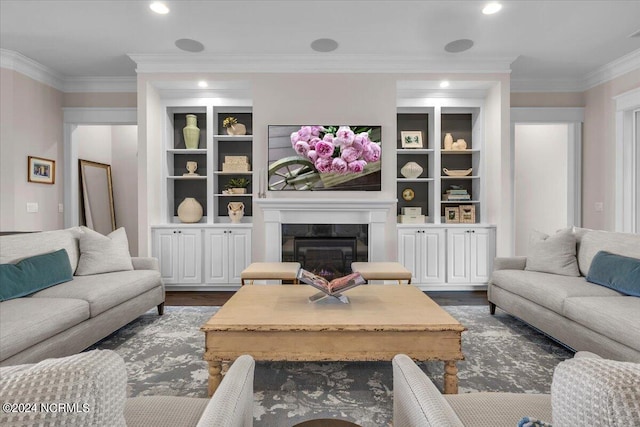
[(164, 357)]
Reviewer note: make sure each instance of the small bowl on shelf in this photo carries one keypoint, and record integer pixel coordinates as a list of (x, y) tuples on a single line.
[(450, 172)]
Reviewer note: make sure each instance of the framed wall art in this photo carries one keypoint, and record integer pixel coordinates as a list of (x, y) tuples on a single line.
[(41, 170), (411, 138), (451, 214)]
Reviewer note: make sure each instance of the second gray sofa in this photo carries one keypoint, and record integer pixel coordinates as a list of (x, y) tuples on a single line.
[(580, 314)]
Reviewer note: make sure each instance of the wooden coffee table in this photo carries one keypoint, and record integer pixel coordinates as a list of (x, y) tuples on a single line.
[(277, 323)]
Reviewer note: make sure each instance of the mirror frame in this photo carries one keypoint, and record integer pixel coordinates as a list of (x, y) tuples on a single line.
[(85, 199)]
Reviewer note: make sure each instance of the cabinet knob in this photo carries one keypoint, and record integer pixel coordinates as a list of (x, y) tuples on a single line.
[(174, 231), (473, 231), (229, 231), (179, 231)]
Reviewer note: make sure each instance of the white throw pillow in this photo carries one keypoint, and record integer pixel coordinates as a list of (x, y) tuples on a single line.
[(553, 254), (103, 254)]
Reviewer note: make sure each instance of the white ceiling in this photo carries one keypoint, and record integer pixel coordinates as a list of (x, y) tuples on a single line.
[(549, 40)]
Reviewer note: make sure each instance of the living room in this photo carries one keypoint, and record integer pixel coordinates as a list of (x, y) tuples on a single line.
[(126, 105)]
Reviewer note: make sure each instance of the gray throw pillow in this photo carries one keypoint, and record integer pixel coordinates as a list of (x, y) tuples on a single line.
[(553, 254), (103, 254)]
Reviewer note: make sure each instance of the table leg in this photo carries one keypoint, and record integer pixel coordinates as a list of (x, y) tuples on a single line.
[(450, 377), (215, 375)]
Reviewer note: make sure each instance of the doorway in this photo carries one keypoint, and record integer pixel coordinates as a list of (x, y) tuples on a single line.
[(546, 147)]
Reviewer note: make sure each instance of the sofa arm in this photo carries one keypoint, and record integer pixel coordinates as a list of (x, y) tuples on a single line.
[(586, 354), (416, 400), (145, 263), (509, 263), (85, 389), (589, 391), (232, 402)]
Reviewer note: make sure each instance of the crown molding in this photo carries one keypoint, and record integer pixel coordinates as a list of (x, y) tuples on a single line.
[(613, 69), (546, 85), (15, 61), (315, 63)]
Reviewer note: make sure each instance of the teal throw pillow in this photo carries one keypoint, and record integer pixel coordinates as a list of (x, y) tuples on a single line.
[(532, 422), (617, 272), (34, 274)]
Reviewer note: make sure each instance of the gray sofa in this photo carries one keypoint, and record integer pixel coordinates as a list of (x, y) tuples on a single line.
[(586, 391), (580, 314), (94, 386), (69, 317)]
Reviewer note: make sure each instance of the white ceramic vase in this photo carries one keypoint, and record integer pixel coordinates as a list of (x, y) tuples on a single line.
[(448, 141), (460, 144), (190, 210), (236, 211), (191, 132), (237, 129), (411, 170)]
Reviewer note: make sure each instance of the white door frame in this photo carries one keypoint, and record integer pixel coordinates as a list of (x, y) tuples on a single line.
[(573, 117), (627, 199), (74, 117)]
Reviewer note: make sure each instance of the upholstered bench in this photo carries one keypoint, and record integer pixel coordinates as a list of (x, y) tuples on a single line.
[(271, 271), (382, 271)]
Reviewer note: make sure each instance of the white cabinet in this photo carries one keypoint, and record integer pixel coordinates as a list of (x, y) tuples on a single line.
[(470, 253), (421, 250), (227, 252), (179, 252)]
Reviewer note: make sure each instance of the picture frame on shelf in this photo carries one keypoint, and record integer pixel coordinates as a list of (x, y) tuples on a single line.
[(451, 215), (41, 171), (467, 214), (411, 138)]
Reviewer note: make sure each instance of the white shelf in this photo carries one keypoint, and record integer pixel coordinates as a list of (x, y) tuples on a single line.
[(233, 137), (234, 195), (414, 179), (460, 177), (187, 178), (187, 151), (232, 173), (458, 202), (414, 150), (472, 151)]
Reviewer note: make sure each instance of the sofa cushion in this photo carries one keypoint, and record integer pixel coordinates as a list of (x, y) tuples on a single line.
[(499, 409), (614, 317), (547, 290), (553, 254), (164, 411), (105, 291), (616, 272), (27, 321), (34, 274), (626, 244), (16, 247), (103, 254)]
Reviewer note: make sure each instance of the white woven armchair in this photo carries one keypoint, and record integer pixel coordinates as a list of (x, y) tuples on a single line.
[(586, 391), (89, 389)]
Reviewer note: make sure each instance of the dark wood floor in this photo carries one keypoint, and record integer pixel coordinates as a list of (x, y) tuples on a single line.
[(219, 298)]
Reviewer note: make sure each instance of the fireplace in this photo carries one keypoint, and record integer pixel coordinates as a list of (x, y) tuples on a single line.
[(325, 249)]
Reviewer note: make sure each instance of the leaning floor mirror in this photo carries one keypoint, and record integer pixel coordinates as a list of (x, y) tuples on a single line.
[(97, 196)]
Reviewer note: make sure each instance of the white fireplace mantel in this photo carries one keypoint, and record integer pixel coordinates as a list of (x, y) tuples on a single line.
[(373, 212)]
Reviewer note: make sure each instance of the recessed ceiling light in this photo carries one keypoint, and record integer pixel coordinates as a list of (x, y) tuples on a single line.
[(459, 45), (202, 83), (189, 45), (324, 45), (444, 83), (159, 7), (491, 8)]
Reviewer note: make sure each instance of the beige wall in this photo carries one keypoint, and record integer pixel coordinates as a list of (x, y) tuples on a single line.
[(99, 99), (31, 122), (598, 152)]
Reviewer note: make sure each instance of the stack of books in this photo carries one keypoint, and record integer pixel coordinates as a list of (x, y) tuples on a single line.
[(456, 195), (236, 164)]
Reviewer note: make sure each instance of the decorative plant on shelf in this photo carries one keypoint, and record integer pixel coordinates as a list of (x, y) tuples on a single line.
[(233, 127), (237, 185)]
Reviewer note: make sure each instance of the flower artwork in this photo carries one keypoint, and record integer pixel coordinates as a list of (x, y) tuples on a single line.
[(324, 158)]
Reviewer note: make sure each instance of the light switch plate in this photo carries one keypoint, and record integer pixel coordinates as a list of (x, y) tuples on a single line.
[(60, 207), (599, 206), (32, 207)]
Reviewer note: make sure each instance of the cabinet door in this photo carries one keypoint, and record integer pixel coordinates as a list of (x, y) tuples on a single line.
[(239, 253), (431, 243), (458, 255), (165, 249), (215, 256), (481, 255), (190, 255), (408, 251)]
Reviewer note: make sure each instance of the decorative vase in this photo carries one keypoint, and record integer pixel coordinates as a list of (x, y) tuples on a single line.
[(191, 132), (411, 170), (448, 141), (462, 144), (237, 190), (237, 129), (190, 210), (236, 211), (192, 167)]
